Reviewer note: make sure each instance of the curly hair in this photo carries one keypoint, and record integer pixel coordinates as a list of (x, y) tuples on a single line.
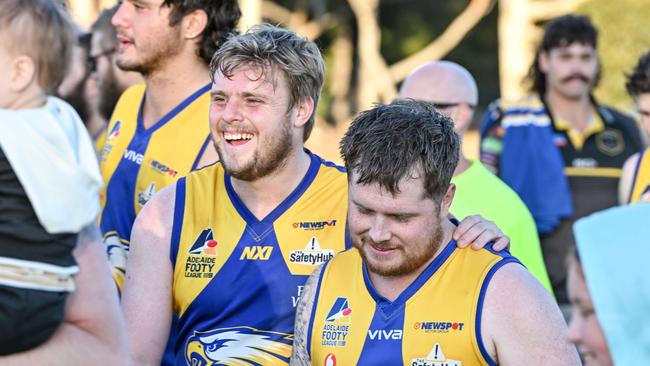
[(638, 82), (560, 32), (404, 139), (266, 46), (223, 16)]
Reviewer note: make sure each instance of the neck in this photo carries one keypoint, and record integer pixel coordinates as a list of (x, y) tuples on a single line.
[(32, 97), (578, 111), (168, 86), (263, 195), (390, 287)]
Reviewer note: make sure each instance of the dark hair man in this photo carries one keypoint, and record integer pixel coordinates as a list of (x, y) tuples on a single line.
[(405, 295), (159, 131), (559, 149)]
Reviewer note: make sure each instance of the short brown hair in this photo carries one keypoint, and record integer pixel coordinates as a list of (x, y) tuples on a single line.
[(401, 140), (42, 30), (268, 46)]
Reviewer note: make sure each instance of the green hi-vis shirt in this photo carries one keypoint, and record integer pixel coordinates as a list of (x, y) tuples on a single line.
[(478, 191)]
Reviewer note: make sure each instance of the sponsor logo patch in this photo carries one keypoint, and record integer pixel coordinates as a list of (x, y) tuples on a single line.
[(337, 323), (313, 225), (312, 254), (435, 358), (202, 257), (438, 327)]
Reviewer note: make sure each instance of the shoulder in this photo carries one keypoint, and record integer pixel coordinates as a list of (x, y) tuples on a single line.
[(131, 97), (156, 216)]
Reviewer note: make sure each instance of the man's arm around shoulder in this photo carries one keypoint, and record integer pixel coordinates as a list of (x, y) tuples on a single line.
[(300, 355), (147, 297), (521, 323)]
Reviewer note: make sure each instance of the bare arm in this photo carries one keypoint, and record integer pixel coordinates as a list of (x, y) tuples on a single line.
[(521, 323), (477, 231), (93, 330), (147, 297), (300, 356), (626, 181)]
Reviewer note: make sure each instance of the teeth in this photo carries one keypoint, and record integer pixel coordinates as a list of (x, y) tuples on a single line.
[(237, 136)]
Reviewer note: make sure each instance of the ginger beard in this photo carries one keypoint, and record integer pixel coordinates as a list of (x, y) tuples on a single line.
[(412, 256)]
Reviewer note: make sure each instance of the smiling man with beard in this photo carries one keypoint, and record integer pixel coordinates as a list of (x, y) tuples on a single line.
[(405, 294), (558, 148)]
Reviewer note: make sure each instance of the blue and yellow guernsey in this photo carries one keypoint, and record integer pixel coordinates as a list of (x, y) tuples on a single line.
[(641, 181), (237, 279), (136, 162), (436, 321)]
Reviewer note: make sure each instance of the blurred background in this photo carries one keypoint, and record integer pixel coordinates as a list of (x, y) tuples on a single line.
[(370, 46)]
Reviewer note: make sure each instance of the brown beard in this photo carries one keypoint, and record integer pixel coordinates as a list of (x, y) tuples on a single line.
[(411, 263)]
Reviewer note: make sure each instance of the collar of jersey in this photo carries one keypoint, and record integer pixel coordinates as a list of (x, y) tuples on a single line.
[(171, 114), (251, 219)]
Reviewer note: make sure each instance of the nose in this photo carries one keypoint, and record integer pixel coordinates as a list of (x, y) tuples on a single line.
[(379, 231), (574, 333), (119, 18), (231, 111)]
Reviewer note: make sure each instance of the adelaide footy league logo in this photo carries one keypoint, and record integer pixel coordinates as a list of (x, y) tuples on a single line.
[(204, 244)]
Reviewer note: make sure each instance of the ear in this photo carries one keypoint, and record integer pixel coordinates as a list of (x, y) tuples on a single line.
[(447, 199), (23, 73), (542, 61), (304, 110), (194, 23)]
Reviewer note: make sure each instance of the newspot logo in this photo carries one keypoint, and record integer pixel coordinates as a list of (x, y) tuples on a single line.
[(438, 327), (313, 225), (312, 254)]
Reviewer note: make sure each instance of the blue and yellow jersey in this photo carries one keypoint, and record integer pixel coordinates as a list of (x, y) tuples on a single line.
[(641, 182), (237, 279), (136, 162), (436, 321)]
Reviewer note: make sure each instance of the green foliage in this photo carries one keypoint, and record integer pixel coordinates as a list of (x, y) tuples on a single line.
[(623, 37)]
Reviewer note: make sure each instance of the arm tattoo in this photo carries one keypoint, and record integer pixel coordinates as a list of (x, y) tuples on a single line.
[(299, 356)]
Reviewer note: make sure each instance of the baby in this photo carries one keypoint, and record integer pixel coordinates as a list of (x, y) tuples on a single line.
[(49, 178)]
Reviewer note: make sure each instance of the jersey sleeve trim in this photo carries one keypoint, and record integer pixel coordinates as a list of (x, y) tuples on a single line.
[(177, 225), (479, 307), (310, 325)]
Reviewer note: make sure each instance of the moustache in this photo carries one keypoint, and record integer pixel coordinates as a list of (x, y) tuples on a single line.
[(385, 245), (577, 76)]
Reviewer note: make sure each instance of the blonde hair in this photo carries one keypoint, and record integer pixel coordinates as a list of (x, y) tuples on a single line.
[(42, 30)]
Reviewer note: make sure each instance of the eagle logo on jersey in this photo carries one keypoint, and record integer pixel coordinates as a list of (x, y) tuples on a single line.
[(238, 346), (204, 244)]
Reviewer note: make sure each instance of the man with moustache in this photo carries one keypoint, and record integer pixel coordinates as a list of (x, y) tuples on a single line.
[(405, 294), (111, 81), (227, 249), (558, 148), (159, 130)]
